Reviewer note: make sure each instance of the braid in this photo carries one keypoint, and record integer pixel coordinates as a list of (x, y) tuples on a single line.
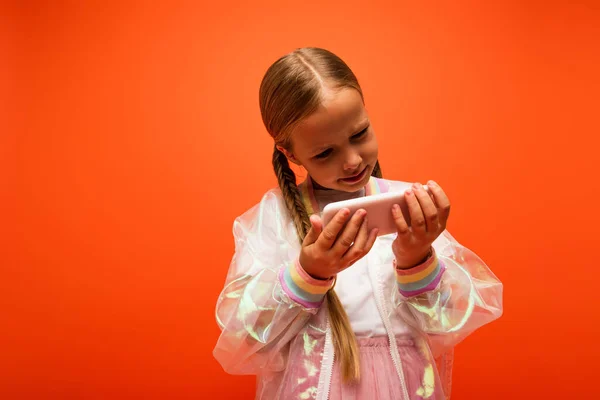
[(291, 194), (344, 341)]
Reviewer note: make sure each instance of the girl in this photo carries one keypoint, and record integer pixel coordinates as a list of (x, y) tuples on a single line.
[(336, 312)]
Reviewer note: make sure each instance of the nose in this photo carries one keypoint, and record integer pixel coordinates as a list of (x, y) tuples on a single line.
[(352, 161)]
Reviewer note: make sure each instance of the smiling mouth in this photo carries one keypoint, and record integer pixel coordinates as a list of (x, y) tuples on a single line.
[(356, 177)]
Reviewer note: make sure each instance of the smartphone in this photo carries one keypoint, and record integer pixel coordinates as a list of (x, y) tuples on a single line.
[(378, 208)]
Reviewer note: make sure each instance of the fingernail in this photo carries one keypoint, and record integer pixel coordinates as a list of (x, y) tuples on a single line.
[(409, 192), (431, 183), (395, 208), (361, 212)]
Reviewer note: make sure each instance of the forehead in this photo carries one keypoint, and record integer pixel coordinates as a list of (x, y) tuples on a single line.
[(341, 113)]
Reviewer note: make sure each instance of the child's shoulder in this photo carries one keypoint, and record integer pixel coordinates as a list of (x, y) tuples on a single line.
[(270, 202), (267, 220)]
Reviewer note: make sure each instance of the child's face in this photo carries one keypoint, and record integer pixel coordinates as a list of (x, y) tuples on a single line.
[(336, 144)]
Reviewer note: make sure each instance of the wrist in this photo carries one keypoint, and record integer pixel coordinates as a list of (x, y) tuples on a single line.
[(420, 278), (412, 260), (311, 271), (315, 275), (302, 288)]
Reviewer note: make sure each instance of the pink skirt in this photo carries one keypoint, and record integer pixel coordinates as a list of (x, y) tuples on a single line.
[(379, 379)]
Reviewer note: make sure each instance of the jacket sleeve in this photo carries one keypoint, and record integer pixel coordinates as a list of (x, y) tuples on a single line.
[(449, 296), (267, 298)]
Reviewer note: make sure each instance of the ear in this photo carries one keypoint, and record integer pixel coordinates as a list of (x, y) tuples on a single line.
[(290, 156)]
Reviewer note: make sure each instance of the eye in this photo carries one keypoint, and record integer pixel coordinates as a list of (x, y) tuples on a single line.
[(323, 154), (360, 134)]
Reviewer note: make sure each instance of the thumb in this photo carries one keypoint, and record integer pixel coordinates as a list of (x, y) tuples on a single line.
[(316, 227)]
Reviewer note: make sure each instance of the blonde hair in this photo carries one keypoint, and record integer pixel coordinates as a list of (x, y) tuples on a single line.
[(290, 91)]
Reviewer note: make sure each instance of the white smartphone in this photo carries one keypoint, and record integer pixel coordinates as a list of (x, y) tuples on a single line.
[(378, 208)]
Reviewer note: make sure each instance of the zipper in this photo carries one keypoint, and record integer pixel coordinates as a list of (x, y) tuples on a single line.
[(324, 385), (380, 301)]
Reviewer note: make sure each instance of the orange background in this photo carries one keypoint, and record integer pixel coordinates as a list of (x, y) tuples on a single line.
[(134, 139)]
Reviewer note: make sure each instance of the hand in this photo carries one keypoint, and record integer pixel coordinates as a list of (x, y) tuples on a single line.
[(428, 214), (326, 252)]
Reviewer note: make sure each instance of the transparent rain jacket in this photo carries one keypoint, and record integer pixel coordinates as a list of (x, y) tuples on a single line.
[(289, 347)]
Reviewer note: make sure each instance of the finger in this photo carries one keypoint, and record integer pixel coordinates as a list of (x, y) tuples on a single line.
[(368, 246), (430, 193), (417, 219), (371, 239), (363, 234), (354, 252), (442, 202), (348, 235), (399, 220), (429, 210), (332, 230), (316, 227)]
